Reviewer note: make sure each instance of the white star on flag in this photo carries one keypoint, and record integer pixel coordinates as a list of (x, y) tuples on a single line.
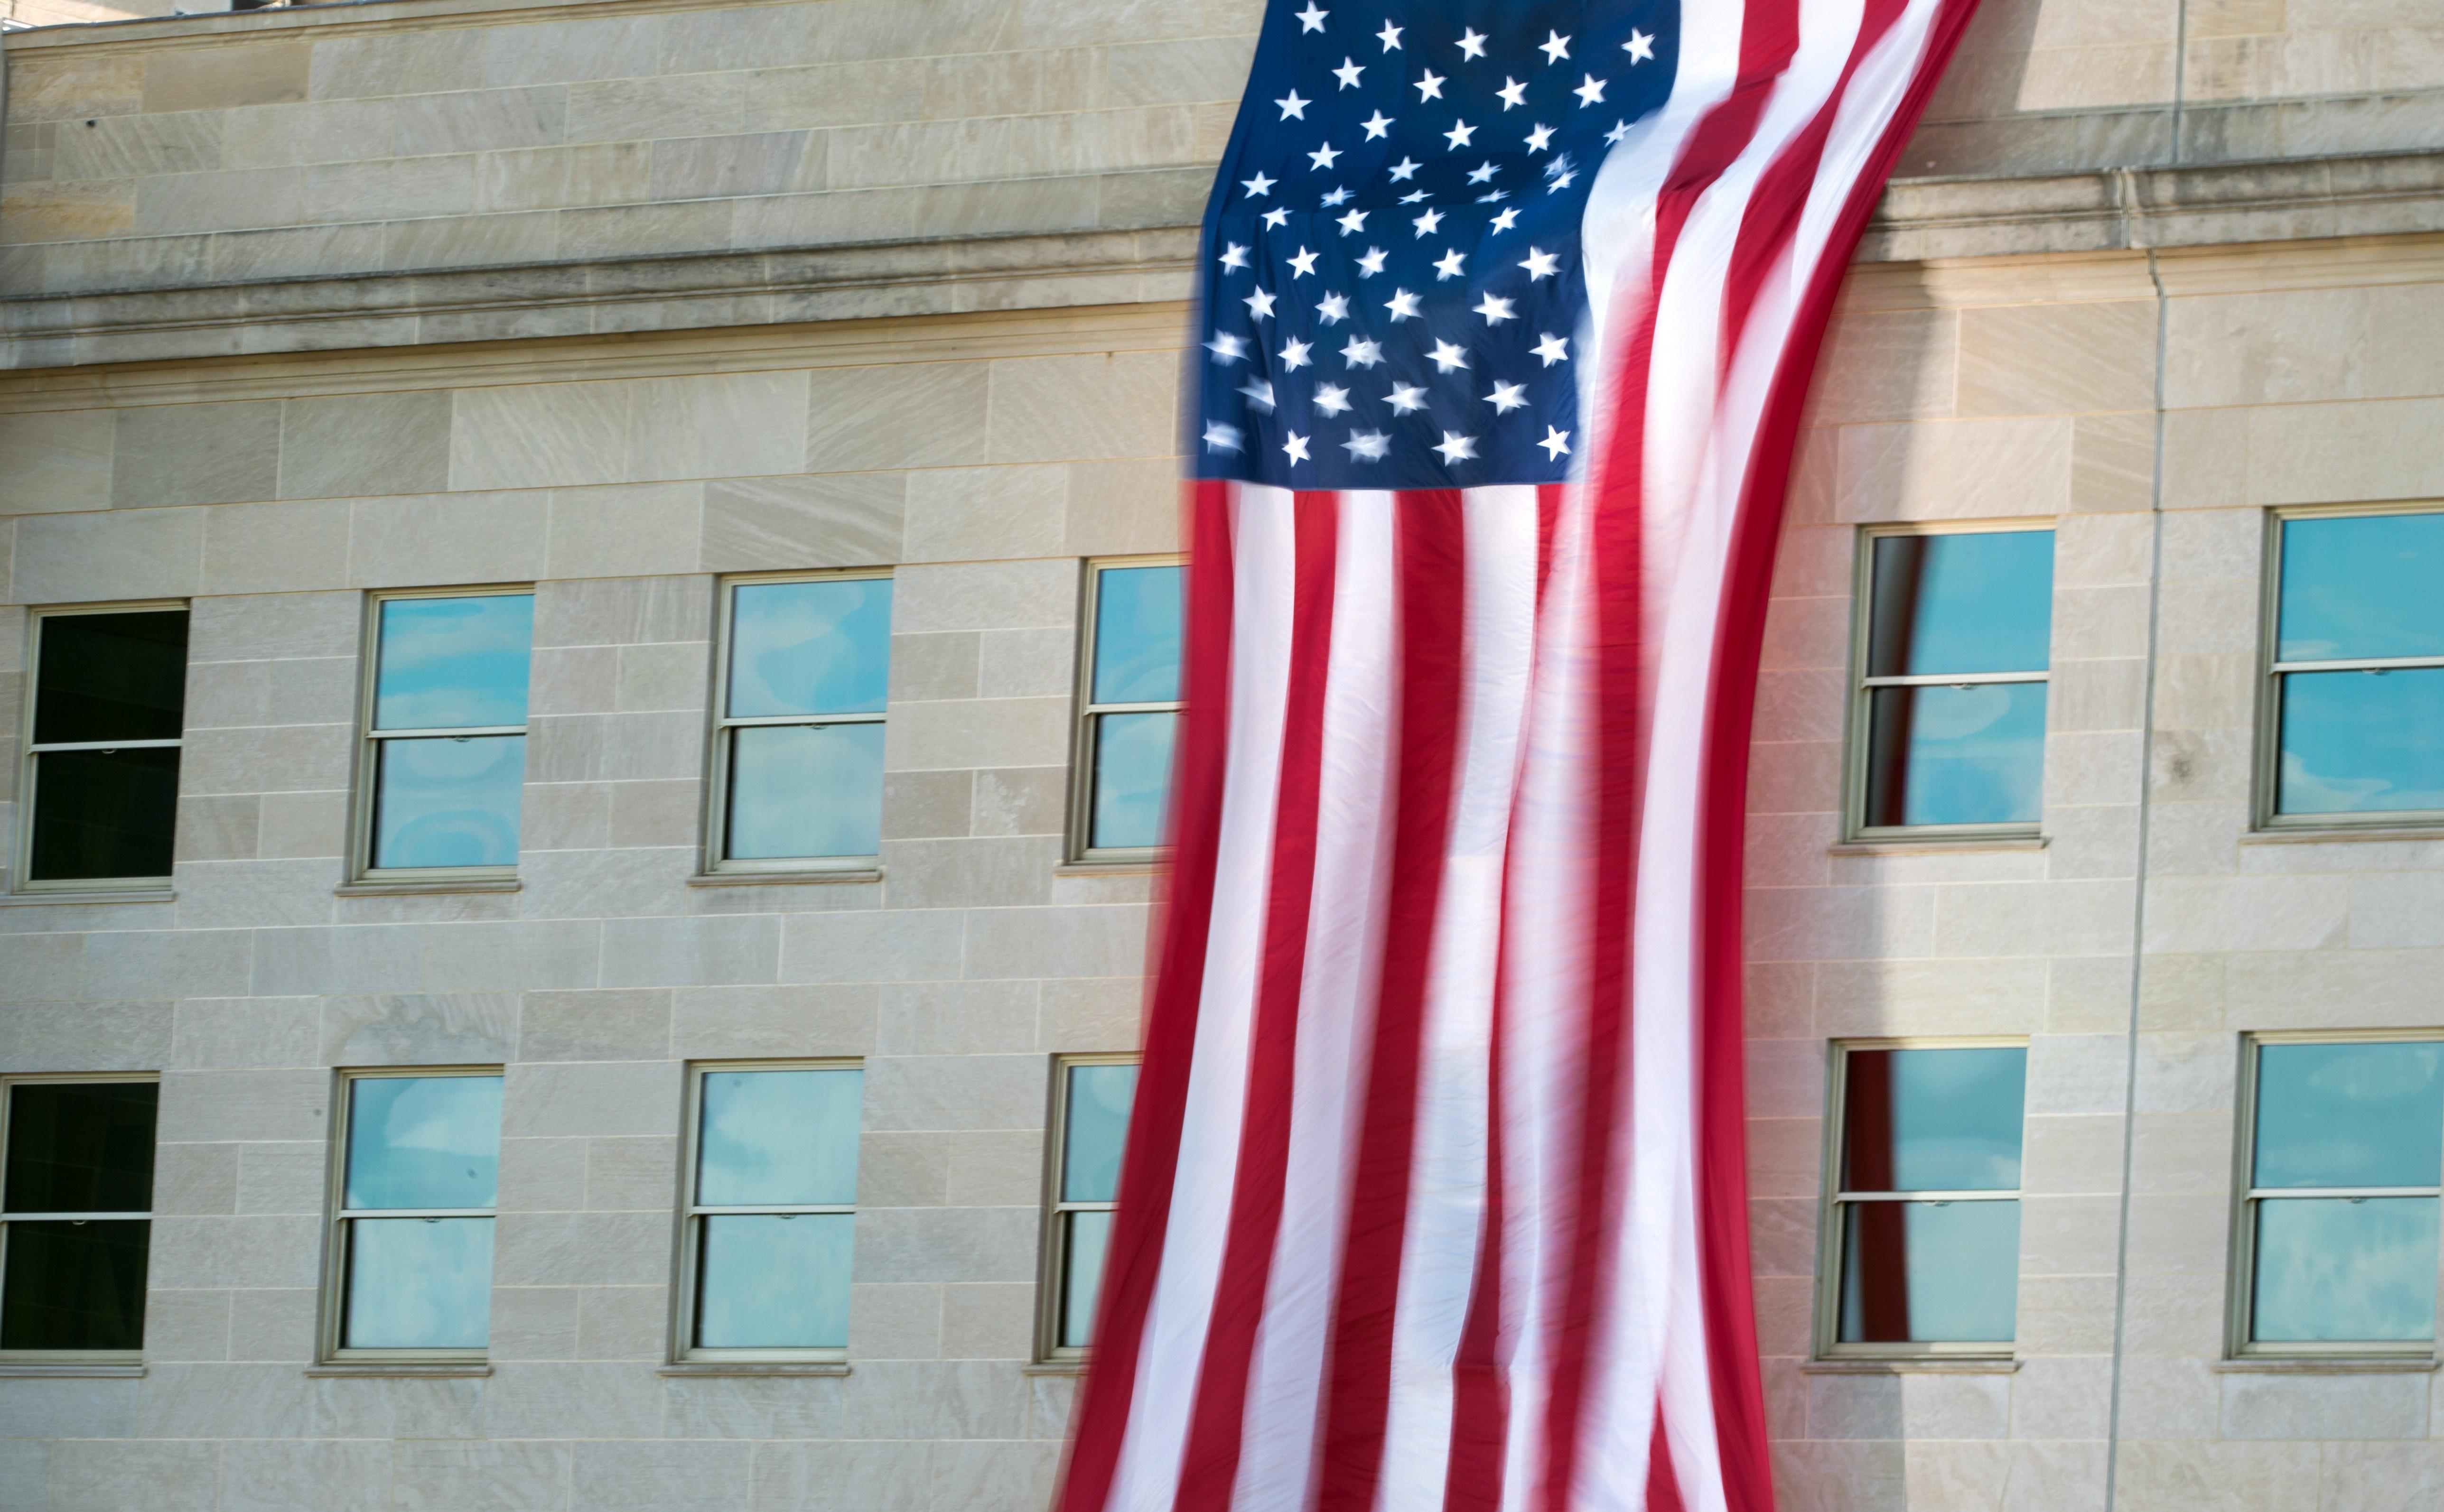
[(1540, 264), (1294, 355), (1556, 444), (1366, 445), (1220, 437), (1292, 105), (1406, 167), (1555, 47), (1276, 218), (1552, 348), (1258, 185), (1380, 125), (1352, 222), (1447, 358), (1233, 255), (1590, 93), (1539, 137), (1333, 310), (1458, 134), (1402, 304), (1412, 197), (1430, 85), (1259, 392), (1361, 353), (1429, 222), (1513, 92), (1260, 303), (1406, 397), (1494, 310), (1481, 172), (1331, 398), (1296, 446), (1506, 219), (1390, 37), (1640, 46), (1457, 448), (1311, 19), (1324, 157), (1447, 265), (1227, 348), (1472, 43), (1349, 71), (1302, 264), (1372, 263), (1508, 396), (1337, 196)]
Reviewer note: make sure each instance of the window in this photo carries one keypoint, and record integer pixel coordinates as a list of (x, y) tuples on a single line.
[(1130, 710), (1923, 1231), (2343, 1145), (772, 1211), (1091, 1098), (1948, 716), (446, 732), (102, 762), (805, 665), (418, 1175), (76, 1201), (2354, 705)]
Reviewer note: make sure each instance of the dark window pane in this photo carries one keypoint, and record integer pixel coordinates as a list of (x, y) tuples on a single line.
[(1932, 1120), (1099, 1126), (454, 663), (111, 676), (1970, 601), (778, 1138), (1132, 779), (2344, 1268), (1927, 1272), (1137, 636), (423, 1141), (775, 1281), (103, 813), (451, 801), (2368, 1114), (1944, 755), (74, 1285), (810, 648), (804, 790), (419, 1284), (80, 1147), (1082, 1277), (2362, 587), (2363, 741)]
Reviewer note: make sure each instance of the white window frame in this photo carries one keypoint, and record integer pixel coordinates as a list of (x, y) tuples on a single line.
[(1831, 1226), (335, 1237), (21, 861), (2241, 1300), (1860, 736), (369, 775), (7, 1086), (2271, 672), (684, 1300), (1054, 1266), (1082, 738), (716, 810)]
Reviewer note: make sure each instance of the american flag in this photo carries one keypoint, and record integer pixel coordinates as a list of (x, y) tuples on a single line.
[(1433, 1196)]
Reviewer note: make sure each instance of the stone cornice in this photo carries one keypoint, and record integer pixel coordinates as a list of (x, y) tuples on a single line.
[(1919, 221)]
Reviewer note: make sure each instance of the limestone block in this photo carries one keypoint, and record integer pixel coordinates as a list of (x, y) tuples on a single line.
[(746, 1408), (670, 812), (484, 119), (734, 424), (129, 964), (507, 957), (195, 453), (533, 1323), (922, 414), (539, 436), (421, 1029), (2393, 910), (801, 522), (1888, 365), (567, 52), (2188, 1153), (785, 163), (328, 131), (228, 200), (602, 883), (632, 1175), (995, 1477), (540, 1400), (920, 804), (219, 829), (968, 514), (134, 146), (56, 461), (926, 1400), (628, 230), (388, 189), (2324, 1407), (623, 529), (615, 747), (348, 958), (1199, 68), (1784, 1157), (949, 1245), (1020, 801), (744, 1023), (978, 733), (582, 1250), (868, 946), (2382, 1475), (2345, 452), (2247, 913), (836, 95), (252, 548), (1840, 924), (288, 1177), (623, 611), (552, 177), (1107, 941), (184, 1326), (262, 73), (989, 595), (649, 109), (694, 951), (1072, 408), (73, 84), (970, 872), (92, 1475), (935, 666), (413, 540), (398, 63)]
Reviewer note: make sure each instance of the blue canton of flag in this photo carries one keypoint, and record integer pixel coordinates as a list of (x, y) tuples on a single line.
[(1393, 291)]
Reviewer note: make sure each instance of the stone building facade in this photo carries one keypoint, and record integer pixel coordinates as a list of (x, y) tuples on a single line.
[(616, 300)]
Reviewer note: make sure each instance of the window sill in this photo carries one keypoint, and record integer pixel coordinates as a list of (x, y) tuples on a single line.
[(407, 1369), (1933, 846), (1110, 868), (1054, 1367), (871, 873), (2327, 1365), (436, 888), (2342, 834), (1913, 1365), (749, 1367), (71, 896), (19, 1369)]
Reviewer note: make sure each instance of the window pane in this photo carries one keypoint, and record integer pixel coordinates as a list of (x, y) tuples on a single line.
[(1932, 1120), (74, 1285), (423, 1141), (1945, 755), (2344, 1268), (2363, 741), (2363, 586), (451, 801), (776, 1282), (804, 790), (1098, 1125), (111, 676), (2350, 1114), (419, 1284), (1081, 1276), (103, 813), (80, 1147), (1137, 634), (1929, 1272), (1132, 778), (454, 663), (809, 648), (1971, 601), (780, 1138)]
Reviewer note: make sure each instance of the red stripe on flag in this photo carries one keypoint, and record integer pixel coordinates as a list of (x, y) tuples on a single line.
[(1210, 1466), (1430, 568)]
